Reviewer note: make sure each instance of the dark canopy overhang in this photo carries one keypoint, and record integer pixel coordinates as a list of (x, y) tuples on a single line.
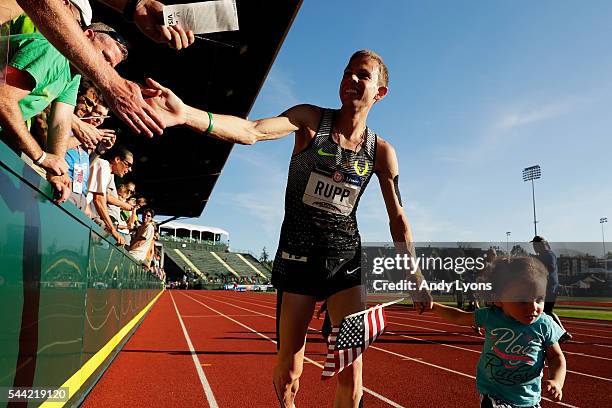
[(178, 171)]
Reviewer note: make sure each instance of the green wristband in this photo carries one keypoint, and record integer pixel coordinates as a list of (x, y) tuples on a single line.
[(210, 124)]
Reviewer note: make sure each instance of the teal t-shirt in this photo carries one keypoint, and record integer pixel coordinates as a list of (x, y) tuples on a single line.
[(512, 360), (50, 69)]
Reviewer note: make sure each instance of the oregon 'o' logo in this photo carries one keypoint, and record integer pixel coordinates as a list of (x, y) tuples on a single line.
[(359, 171)]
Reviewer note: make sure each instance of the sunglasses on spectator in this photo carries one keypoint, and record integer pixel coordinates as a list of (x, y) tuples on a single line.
[(89, 103), (127, 164)]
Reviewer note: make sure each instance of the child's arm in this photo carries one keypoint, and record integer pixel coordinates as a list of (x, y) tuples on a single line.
[(556, 371), (454, 315)]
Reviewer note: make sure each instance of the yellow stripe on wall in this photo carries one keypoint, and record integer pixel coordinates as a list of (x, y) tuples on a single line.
[(77, 380)]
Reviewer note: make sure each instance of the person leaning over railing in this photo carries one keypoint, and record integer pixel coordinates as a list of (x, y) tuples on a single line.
[(124, 97), (102, 189), (37, 76), (87, 113), (144, 238)]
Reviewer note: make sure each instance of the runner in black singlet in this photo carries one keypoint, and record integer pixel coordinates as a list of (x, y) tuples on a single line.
[(318, 257)]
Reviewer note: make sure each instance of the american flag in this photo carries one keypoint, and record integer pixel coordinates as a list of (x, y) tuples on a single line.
[(352, 338)]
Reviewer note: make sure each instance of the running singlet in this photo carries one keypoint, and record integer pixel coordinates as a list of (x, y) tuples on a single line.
[(324, 186)]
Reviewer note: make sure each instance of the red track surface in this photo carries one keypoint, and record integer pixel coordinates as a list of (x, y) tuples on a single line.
[(421, 361)]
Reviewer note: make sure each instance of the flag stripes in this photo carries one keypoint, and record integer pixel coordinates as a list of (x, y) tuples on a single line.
[(352, 338)]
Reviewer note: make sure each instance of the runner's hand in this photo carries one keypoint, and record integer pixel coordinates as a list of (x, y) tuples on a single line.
[(423, 301), (168, 106), (125, 99)]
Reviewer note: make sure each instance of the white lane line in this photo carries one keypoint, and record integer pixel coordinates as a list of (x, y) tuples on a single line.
[(586, 355), (475, 351), (443, 331), (404, 357), (578, 322), (590, 335), (438, 343), (210, 397), (369, 391), (457, 325), (564, 320), (579, 329), (211, 315)]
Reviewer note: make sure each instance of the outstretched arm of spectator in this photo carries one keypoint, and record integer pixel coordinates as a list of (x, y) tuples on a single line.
[(124, 97), (18, 85), (148, 17), (230, 128), (87, 134), (119, 203), (133, 217), (101, 205), (59, 123)]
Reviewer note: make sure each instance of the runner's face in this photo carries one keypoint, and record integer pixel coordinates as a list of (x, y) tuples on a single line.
[(359, 85)]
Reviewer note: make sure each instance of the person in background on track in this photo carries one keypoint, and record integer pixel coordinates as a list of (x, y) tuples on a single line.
[(519, 337), (549, 259), (319, 256)]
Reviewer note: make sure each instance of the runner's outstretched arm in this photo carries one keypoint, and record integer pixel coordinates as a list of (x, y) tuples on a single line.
[(387, 170), (226, 127)]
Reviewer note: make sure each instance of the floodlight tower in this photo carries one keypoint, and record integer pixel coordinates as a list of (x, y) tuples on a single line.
[(507, 242), (603, 239), (530, 174)]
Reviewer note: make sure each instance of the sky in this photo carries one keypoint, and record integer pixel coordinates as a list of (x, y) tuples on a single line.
[(478, 91)]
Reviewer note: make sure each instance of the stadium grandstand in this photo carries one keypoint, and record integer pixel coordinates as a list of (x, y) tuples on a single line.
[(202, 255)]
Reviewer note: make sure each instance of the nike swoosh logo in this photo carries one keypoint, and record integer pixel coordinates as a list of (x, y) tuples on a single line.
[(353, 271), (321, 152)]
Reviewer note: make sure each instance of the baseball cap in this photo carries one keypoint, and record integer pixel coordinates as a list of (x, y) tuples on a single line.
[(538, 238), (111, 32), (85, 10)]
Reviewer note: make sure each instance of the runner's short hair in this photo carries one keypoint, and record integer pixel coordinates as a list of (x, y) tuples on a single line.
[(383, 72)]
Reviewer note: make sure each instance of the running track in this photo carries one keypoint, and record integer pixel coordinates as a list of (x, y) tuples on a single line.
[(215, 348)]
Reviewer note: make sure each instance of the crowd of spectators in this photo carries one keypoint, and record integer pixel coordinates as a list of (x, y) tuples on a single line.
[(60, 86)]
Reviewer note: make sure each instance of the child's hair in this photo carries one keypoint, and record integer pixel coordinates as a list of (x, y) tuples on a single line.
[(509, 270)]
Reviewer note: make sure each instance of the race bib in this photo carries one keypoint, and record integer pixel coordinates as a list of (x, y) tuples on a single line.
[(332, 191), (77, 180)]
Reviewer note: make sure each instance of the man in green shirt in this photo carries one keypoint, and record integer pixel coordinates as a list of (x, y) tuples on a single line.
[(37, 75)]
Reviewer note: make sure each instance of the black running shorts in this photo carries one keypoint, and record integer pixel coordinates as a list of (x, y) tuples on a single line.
[(320, 275)]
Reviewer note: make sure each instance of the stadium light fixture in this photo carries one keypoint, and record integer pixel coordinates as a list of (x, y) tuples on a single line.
[(507, 242), (603, 239), (530, 174)]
